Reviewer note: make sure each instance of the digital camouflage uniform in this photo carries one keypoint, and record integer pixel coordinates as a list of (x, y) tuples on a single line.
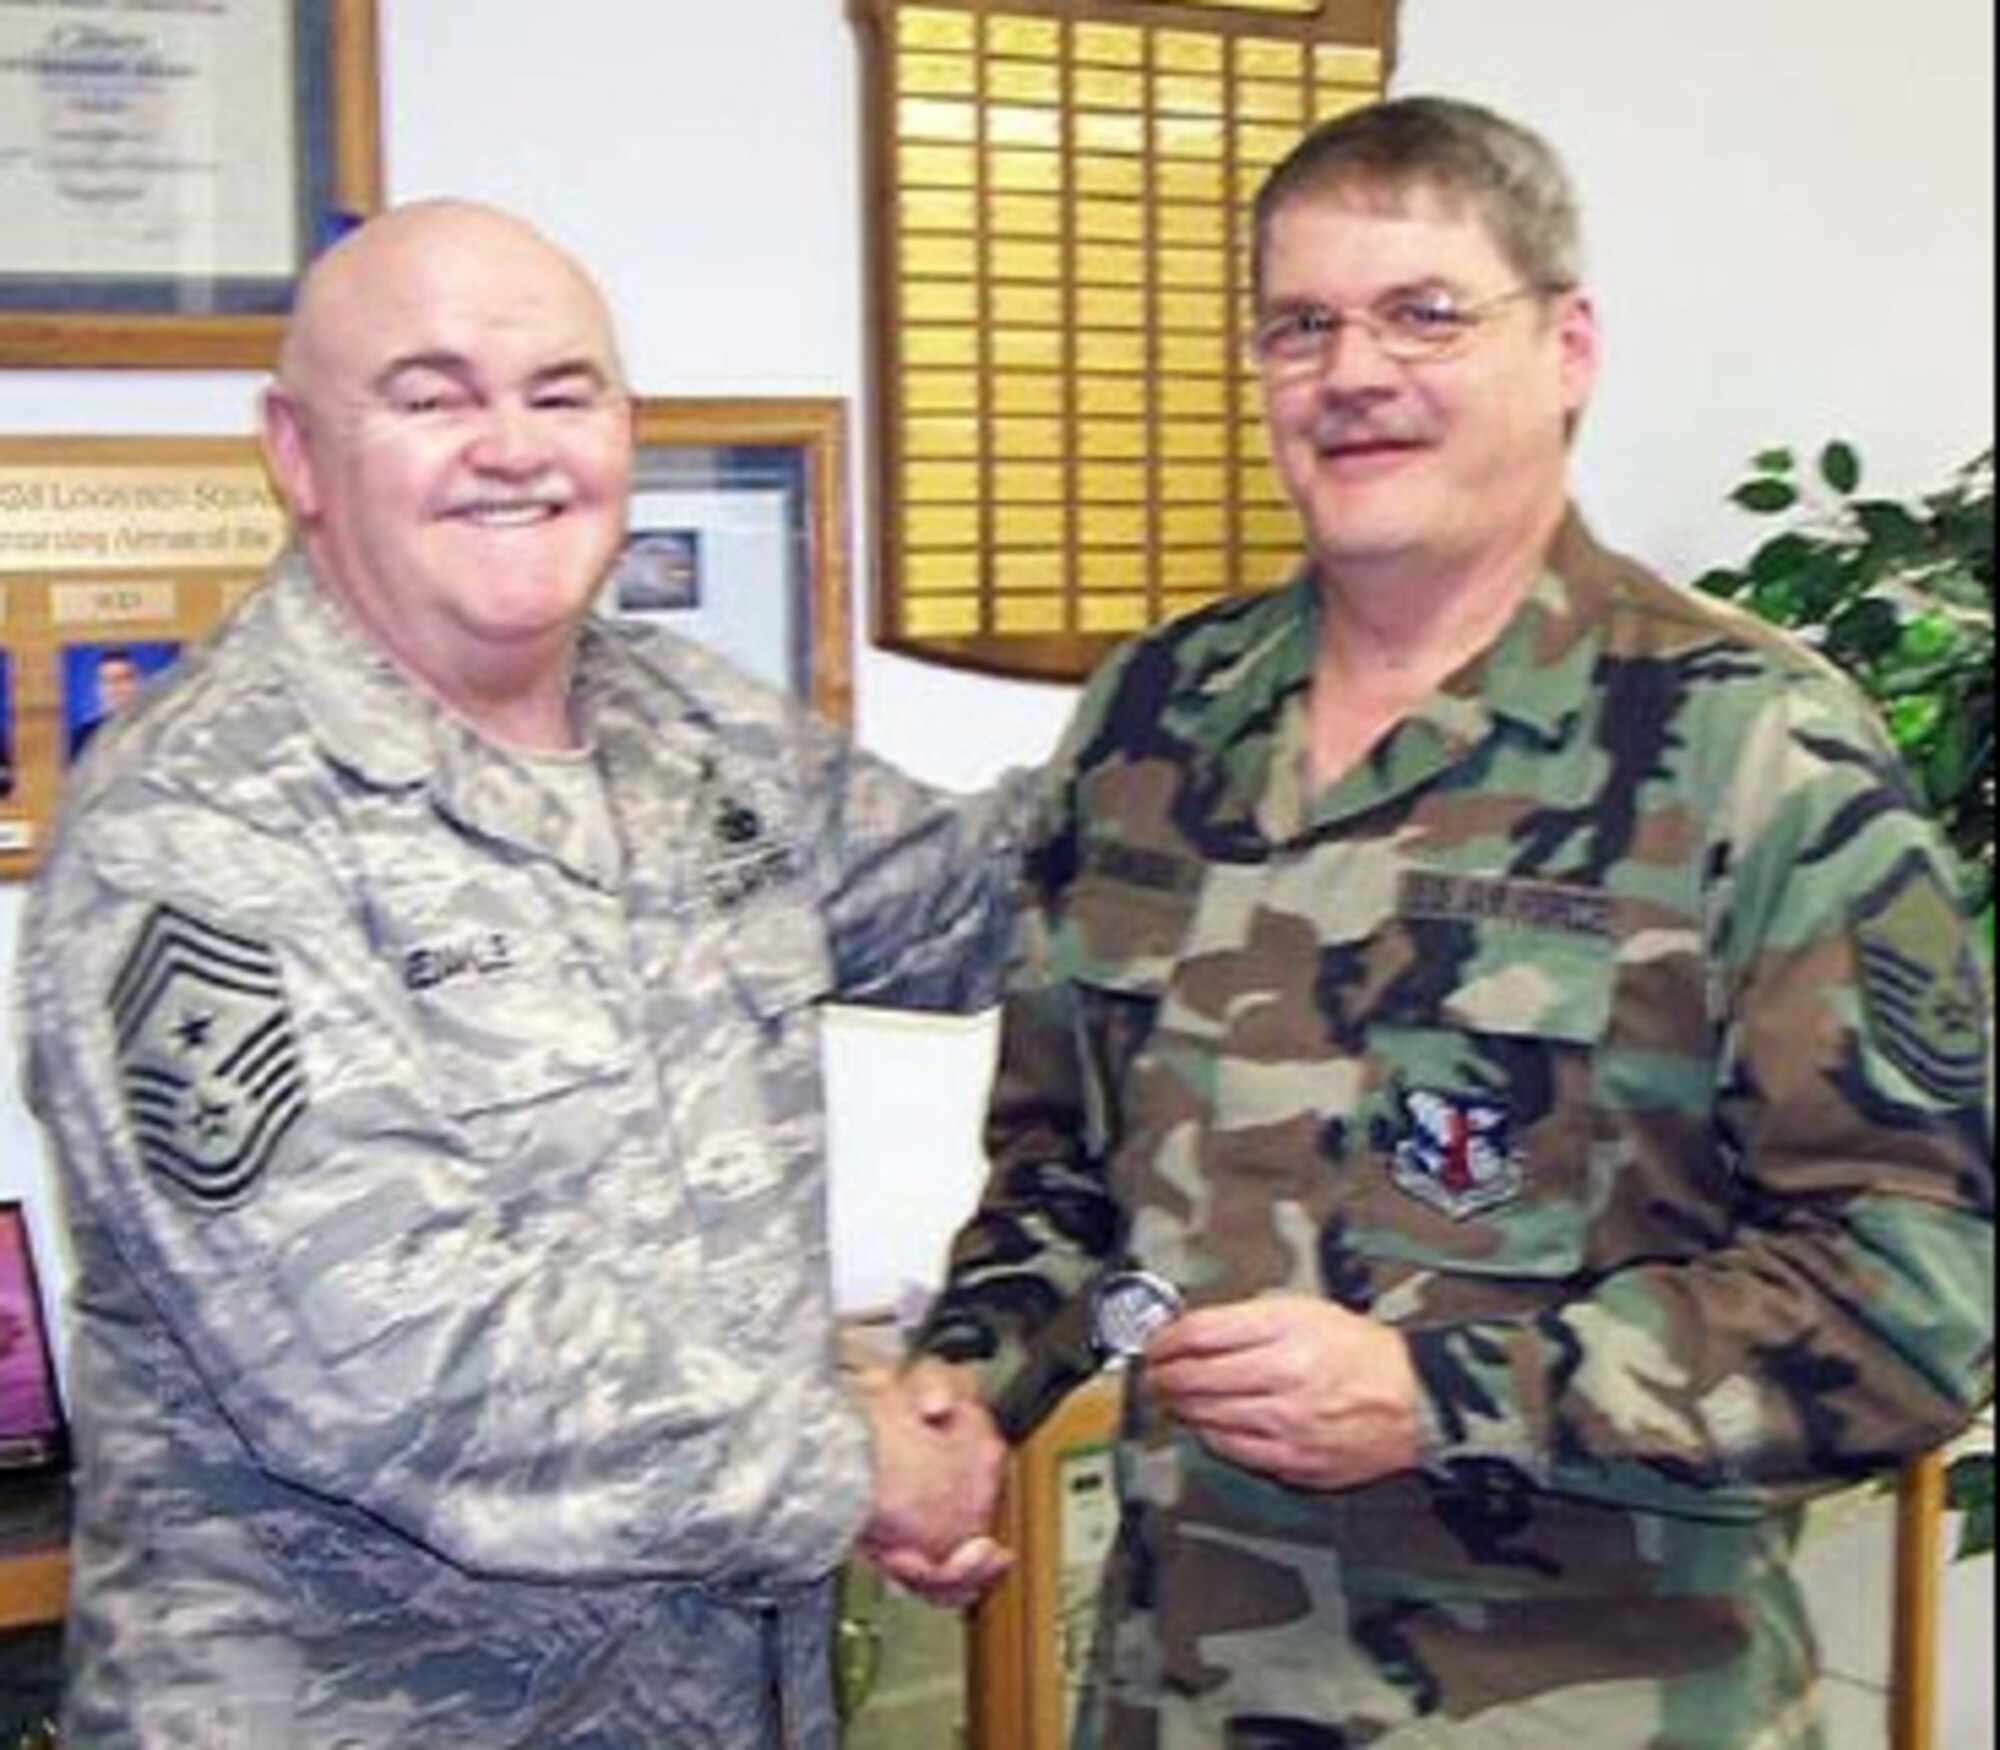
[(1610, 1031), (441, 1136)]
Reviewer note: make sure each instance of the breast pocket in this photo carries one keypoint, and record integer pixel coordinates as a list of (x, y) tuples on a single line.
[(524, 1066), (1480, 1114), (515, 1009), (500, 1049)]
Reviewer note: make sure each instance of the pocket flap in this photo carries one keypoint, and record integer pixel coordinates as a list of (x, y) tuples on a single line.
[(777, 956)]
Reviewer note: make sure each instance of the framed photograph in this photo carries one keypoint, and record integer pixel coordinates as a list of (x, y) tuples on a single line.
[(738, 538), (166, 172), (658, 572), (33, 1433), (100, 679)]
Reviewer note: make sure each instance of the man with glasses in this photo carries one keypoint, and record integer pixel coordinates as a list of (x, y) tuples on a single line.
[(1493, 1040)]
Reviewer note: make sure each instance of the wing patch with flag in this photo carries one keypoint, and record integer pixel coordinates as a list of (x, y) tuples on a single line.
[(206, 1055)]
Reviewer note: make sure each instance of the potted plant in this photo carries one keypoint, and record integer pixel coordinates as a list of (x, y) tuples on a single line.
[(1899, 593)]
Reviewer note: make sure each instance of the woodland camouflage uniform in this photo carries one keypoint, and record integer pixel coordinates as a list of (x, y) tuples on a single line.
[(1613, 1032)]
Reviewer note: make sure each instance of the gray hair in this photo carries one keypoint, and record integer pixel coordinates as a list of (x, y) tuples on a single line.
[(1510, 177)]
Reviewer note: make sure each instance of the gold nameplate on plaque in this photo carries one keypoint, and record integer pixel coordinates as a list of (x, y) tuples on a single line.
[(1059, 230)]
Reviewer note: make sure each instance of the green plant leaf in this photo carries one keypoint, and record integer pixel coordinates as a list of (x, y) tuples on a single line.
[(1969, 1490), (1962, 586), (1840, 467), (1782, 602), (1969, 1481), (1975, 1533), (1830, 582), (1890, 527), (1912, 720), (1723, 582), (1926, 637), (1773, 461), (1865, 629), (1782, 555), (1766, 496), (1950, 762)]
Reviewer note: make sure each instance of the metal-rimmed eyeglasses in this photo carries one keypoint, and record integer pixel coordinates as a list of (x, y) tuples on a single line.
[(1411, 327)]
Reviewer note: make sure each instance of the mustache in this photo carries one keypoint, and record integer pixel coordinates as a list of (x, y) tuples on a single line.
[(552, 495), (1353, 426)]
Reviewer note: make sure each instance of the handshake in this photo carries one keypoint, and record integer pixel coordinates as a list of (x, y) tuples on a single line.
[(939, 1460)]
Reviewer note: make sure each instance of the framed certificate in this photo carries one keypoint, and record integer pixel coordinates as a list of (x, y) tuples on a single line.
[(168, 167)]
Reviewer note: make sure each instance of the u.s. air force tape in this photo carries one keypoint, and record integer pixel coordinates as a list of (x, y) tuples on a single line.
[(1129, 1308)]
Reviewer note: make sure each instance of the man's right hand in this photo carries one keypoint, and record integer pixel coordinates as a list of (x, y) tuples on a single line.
[(939, 1460)]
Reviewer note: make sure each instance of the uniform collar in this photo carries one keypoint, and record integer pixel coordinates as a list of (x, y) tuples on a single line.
[(1248, 714), (373, 721), (1537, 672)]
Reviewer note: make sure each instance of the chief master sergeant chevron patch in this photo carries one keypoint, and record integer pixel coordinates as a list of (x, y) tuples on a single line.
[(206, 1054)]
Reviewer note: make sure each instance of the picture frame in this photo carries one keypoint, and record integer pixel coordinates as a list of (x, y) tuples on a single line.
[(135, 548), (34, 1432), (110, 547), (100, 677), (133, 144), (740, 510)]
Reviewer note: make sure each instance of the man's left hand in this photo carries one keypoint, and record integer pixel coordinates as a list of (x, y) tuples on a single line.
[(1300, 1389)]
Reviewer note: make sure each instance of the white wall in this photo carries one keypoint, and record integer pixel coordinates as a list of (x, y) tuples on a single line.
[(1790, 212)]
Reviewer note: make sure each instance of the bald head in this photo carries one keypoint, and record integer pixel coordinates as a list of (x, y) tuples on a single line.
[(415, 253)]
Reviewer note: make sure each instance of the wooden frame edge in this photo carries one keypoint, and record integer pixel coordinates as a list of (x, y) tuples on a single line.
[(818, 426), (90, 340)]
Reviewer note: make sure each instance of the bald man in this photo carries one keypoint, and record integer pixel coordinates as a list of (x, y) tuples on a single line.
[(422, 998)]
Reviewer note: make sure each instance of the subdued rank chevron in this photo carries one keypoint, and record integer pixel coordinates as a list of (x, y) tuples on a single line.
[(1946, 1060), (172, 940), (1921, 985), (207, 1054)]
